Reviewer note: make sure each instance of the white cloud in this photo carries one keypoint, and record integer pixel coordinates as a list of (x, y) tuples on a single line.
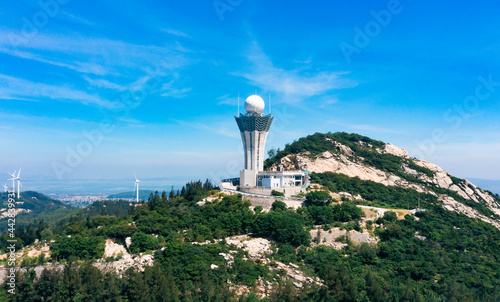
[(102, 83), (291, 82), (169, 91), (78, 19), (227, 100), (92, 53), (82, 67), (175, 32), (13, 88)]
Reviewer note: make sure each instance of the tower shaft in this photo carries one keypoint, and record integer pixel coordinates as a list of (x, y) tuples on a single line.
[(253, 129)]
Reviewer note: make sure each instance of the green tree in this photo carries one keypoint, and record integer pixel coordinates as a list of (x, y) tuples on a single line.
[(142, 242), (282, 226), (278, 205), (318, 198), (374, 288)]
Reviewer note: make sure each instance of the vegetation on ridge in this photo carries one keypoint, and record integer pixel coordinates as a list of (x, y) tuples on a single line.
[(436, 255)]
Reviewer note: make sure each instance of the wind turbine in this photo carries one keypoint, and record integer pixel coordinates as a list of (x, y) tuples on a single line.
[(5, 187), (18, 182), (136, 186), (13, 175)]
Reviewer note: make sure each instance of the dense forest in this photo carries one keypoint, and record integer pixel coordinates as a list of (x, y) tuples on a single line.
[(456, 261), (431, 255)]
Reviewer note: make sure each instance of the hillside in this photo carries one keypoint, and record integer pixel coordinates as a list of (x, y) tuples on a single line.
[(372, 162), (34, 206), (353, 240), (143, 194)]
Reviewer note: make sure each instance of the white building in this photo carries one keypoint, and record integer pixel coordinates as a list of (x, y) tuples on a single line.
[(279, 179)]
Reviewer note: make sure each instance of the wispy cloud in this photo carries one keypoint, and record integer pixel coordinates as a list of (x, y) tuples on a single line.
[(102, 83), (227, 100), (291, 82), (13, 88), (328, 101), (175, 32), (104, 63), (19, 99), (82, 67), (169, 91), (77, 19), (94, 51)]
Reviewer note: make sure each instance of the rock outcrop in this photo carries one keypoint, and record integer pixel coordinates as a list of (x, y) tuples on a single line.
[(342, 159), (122, 259)]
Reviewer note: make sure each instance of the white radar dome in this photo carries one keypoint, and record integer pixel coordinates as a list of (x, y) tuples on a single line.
[(254, 104)]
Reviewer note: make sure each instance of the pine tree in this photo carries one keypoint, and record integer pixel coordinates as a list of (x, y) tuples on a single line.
[(92, 285), (374, 288), (172, 193), (49, 284), (111, 291)]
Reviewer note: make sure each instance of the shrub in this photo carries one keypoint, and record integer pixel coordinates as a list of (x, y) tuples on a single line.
[(390, 216), (277, 193), (80, 247), (278, 205), (282, 226), (142, 242), (318, 198)]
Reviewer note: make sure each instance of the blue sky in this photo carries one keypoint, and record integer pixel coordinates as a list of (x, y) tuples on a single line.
[(151, 87)]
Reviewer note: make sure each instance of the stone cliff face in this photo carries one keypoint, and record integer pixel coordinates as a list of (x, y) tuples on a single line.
[(343, 160)]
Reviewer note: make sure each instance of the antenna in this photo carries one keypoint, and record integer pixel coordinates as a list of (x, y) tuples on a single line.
[(269, 103)]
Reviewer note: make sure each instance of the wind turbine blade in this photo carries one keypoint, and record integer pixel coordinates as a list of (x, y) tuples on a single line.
[(18, 173), (13, 174)]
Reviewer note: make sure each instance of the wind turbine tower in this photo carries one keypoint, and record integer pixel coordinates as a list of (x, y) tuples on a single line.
[(136, 187), (13, 178), (18, 183)]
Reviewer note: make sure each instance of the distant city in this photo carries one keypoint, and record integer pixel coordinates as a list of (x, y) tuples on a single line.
[(79, 200), (80, 193)]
